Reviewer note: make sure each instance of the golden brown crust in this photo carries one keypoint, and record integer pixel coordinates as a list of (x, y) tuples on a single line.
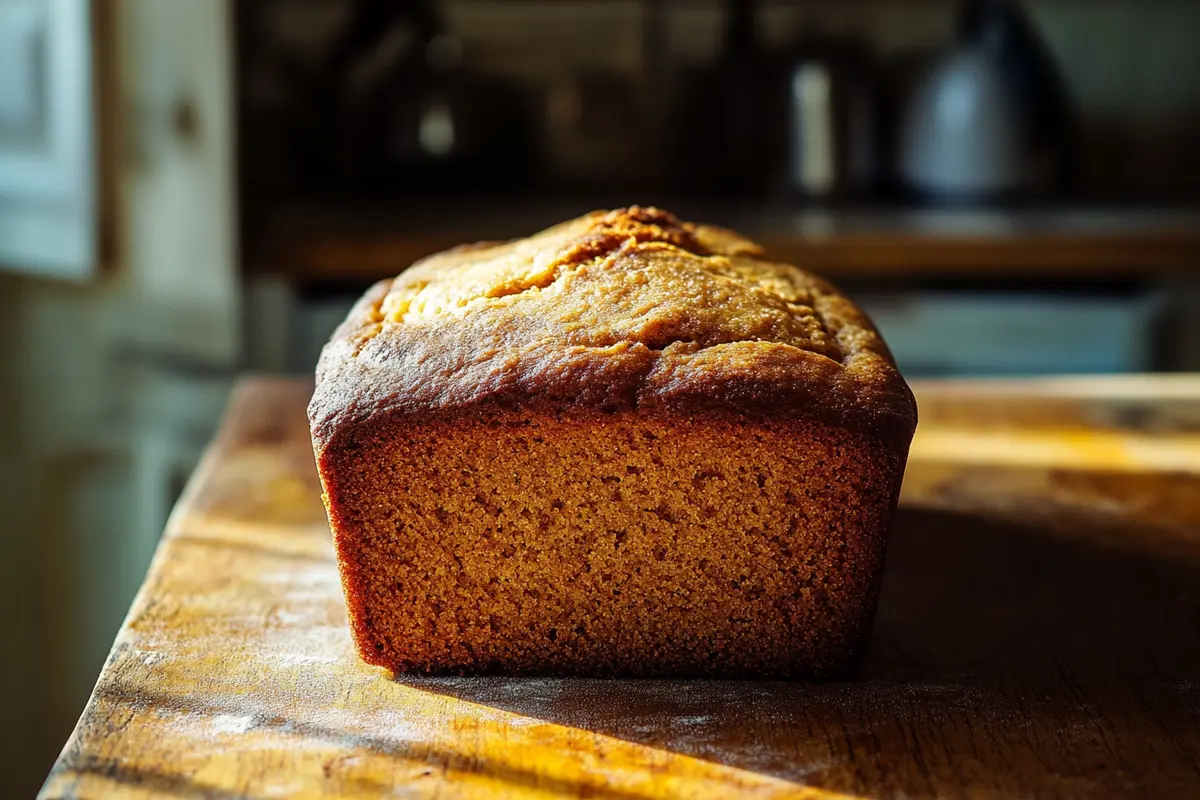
[(615, 310)]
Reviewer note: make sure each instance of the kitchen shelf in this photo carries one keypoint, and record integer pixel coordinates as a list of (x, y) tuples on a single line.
[(358, 245)]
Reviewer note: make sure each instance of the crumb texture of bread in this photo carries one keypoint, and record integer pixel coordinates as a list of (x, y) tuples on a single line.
[(627, 445), (611, 545)]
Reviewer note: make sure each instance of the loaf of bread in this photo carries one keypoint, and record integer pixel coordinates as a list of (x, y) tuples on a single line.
[(626, 445)]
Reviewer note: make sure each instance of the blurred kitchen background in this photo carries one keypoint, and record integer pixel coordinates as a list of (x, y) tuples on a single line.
[(190, 189)]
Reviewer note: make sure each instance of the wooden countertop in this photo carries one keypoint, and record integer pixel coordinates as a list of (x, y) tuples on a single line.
[(1050, 647)]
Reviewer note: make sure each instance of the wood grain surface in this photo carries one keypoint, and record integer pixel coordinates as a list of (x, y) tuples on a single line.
[(1107, 457), (1006, 661)]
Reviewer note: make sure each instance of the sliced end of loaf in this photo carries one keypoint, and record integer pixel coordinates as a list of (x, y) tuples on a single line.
[(520, 542)]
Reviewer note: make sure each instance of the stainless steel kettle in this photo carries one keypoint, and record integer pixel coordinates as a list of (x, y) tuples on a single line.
[(961, 134), (992, 119)]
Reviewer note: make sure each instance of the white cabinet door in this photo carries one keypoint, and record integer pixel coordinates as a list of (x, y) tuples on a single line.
[(176, 175), (176, 327), (47, 167)]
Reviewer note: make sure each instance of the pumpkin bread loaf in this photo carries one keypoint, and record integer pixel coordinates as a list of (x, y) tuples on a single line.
[(626, 445)]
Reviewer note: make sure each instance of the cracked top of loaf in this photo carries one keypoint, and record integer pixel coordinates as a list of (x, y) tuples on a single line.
[(614, 310)]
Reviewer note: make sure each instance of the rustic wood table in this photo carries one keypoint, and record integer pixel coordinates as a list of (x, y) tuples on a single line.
[(1038, 635)]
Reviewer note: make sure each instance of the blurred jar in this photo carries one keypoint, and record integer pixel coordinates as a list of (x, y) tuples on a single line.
[(833, 120)]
